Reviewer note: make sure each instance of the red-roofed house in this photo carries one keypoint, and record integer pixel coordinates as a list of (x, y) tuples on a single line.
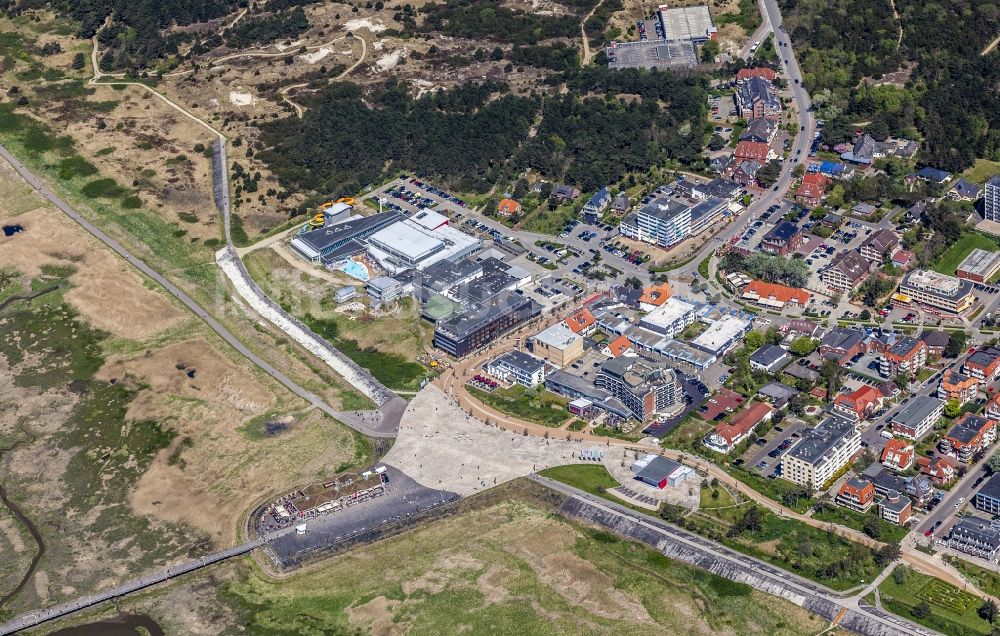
[(859, 404), (810, 193), (941, 469), (856, 494), (654, 296), (992, 409), (898, 454), (508, 207), (727, 436), (773, 295), (582, 322), (617, 347), (753, 150), (744, 74), (903, 259)]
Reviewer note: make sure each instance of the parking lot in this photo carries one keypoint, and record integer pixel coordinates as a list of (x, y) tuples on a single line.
[(765, 458)]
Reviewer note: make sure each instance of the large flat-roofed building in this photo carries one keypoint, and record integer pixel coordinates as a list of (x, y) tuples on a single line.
[(518, 367), (687, 23), (651, 54), (821, 452), (706, 214), (558, 344), (663, 222), (479, 324), (643, 390), (660, 472), (917, 418), (938, 290), (722, 335), (670, 318), (979, 266), (975, 536), (410, 244), (988, 497), (345, 236), (991, 199)]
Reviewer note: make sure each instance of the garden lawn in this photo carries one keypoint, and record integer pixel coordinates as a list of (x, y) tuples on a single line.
[(953, 611), (888, 532), (961, 248), (541, 407), (986, 580)]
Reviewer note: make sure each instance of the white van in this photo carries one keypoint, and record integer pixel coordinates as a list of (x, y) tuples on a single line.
[(886, 434)]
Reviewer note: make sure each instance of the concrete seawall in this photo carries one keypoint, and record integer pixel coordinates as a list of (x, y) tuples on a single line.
[(355, 375)]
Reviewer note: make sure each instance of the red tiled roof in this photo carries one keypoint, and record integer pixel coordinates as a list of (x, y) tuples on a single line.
[(580, 320), (860, 399), (744, 422), (898, 454), (777, 292), (755, 150), (619, 345), (746, 73), (508, 206), (656, 294), (813, 186)]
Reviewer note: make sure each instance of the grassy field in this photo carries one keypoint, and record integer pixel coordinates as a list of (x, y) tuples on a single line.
[(888, 532), (386, 345), (982, 170), (961, 248), (539, 406), (986, 580), (952, 611), (594, 479), (504, 566)]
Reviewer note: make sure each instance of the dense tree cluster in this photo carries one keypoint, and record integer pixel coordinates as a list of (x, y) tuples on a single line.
[(558, 56), (268, 28), (772, 269), (135, 37), (488, 19), (342, 144), (948, 97), (594, 141)]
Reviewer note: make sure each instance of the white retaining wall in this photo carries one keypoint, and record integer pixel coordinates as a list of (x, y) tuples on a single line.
[(356, 376)]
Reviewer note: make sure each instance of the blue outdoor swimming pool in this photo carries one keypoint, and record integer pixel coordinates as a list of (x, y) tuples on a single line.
[(355, 269)]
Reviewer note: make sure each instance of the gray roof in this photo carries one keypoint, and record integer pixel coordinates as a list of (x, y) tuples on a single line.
[(798, 371), (966, 188), (768, 355), (991, 489), (324, 238), (851, 264), (917, 410), (817, 442), (841, 338), (758, 129), (935, 338), (967, 429), (777, 391), (522, 361), (900, 503), (783, 232), (664, 209), (657, 469), (882, 241), (974, 529)]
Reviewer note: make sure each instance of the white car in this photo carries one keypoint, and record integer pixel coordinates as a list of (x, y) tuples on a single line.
[(961, 500)]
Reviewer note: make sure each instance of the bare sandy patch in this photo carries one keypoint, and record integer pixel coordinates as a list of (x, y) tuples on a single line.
[(237, 98), (375, 26), (376, 615), (316, 56), (197, 372)]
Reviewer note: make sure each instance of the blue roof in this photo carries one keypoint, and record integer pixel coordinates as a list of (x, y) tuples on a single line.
[(832, 167), (933, 174)]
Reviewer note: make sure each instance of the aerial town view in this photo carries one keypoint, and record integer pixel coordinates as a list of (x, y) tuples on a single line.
[(499, 317)]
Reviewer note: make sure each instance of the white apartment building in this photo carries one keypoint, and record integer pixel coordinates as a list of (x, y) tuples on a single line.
[(821, 452)]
